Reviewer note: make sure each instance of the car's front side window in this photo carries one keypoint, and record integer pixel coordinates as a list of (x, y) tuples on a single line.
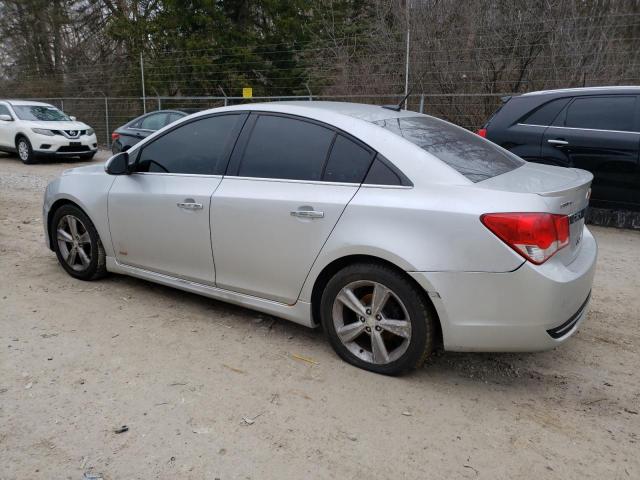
[(5, 111), (285, 148), (198, 147)]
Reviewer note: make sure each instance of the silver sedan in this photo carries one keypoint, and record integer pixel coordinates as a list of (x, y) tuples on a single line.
[(396, 232)]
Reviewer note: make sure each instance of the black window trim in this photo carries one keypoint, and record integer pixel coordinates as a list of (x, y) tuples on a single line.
[(235, 161), (220, 169)]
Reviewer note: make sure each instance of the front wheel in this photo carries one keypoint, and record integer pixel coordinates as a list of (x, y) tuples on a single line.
[(77, 244), (25, 151), (377, 319)]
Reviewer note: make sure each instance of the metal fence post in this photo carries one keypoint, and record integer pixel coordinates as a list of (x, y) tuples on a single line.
[(421, 109), (144, 96), (106, 119), (62, 104)]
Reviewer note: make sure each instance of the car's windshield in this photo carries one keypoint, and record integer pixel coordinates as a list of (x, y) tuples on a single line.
[(475, 158), (43, 113)]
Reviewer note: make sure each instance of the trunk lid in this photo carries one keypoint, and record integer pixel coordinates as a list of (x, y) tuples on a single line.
[(564, 190)]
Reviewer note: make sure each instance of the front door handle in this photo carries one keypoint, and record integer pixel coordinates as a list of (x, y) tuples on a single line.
[(557, 142), (307, 214), (190, 204)]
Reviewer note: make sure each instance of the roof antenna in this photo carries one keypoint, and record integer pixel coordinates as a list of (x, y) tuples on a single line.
[(398, 107)]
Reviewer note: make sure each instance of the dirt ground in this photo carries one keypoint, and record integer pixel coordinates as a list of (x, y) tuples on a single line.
[(210, 390)]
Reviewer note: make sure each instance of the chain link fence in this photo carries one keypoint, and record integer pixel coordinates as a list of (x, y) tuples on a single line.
[(106, 114)]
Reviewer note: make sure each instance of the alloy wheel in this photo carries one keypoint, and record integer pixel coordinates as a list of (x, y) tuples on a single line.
[(371, 322), (23, 150), (74, 242)]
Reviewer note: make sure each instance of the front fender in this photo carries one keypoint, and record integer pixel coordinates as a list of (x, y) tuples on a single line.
[(87, 191)]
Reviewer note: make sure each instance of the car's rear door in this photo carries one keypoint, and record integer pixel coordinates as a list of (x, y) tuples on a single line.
[(600, 134), (284, 191), (159, 215)]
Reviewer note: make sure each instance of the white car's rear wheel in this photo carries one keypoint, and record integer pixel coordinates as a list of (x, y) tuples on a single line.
[(377, 319)]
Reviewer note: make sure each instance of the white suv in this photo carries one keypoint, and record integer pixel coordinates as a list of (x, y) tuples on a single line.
[(34, 129)]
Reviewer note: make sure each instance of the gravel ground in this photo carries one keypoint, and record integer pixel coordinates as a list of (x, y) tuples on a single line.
[(210, 390)]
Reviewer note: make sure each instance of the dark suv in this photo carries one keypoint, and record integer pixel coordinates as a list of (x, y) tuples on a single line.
[(597, 129)]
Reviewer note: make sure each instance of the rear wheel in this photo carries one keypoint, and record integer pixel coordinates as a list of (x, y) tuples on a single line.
[(25, 152), (77, 244), (376, 319)]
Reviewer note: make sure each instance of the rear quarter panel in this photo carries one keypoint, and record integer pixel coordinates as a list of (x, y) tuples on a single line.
[(433, 228)]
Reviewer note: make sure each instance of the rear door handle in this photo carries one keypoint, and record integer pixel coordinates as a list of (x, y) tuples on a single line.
[(307, 214), (557, 142), (190, 204)]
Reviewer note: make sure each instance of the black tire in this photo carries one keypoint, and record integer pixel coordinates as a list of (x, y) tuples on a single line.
[(421, 317), (96, 266), (87, 156), (24, 150)]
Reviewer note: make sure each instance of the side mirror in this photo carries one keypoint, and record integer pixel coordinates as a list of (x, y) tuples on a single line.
[(118, 164), (73, 119), (6, 118)]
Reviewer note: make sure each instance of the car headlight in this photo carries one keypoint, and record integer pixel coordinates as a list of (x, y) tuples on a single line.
[(90, 131), (43, 131)]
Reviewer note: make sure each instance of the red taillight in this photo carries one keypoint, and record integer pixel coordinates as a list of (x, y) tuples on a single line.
[(482, 132), (535, 236), (115, 136)]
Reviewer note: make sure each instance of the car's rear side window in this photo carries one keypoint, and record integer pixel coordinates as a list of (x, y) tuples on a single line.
[(154, 122), (172, 117), (472, 156), (348, 161), (196, 147), (602, 113), (546, 114), (286, 148), (5, 111), (381, 174)]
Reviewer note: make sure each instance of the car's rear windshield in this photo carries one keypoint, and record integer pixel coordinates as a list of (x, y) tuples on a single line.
[(472, 156), (41, 113)]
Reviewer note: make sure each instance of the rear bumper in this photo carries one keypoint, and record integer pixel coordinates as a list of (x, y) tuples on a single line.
[(530, 309)]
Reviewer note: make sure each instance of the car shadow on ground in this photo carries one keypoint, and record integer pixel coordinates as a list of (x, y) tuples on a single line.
[(504, 369)]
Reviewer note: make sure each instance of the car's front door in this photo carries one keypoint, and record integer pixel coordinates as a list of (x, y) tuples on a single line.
[(600, 134), (159, 215), (285, 189)]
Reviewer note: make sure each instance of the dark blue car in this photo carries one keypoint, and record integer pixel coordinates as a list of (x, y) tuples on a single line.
[(126, 136)]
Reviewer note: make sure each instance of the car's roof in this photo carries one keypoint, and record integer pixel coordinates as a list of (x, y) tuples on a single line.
[(586, 91), (363, 111), (355, 119), (162, 111), (25, 102)]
